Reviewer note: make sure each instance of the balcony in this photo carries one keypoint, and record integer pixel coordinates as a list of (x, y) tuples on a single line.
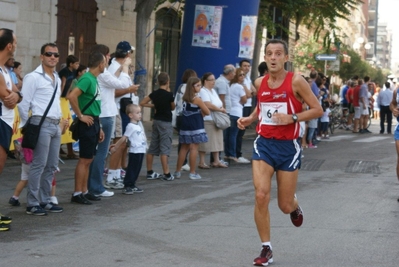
[(371, 24)]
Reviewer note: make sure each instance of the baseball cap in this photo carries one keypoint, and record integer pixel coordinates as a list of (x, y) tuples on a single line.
[(124, 46)]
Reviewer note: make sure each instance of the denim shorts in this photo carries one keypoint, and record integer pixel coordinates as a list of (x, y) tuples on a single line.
[(396, 132)]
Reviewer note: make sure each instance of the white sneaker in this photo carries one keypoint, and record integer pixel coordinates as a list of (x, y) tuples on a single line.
[(113, 184), (154, 176), (54, 200), (243, 160), (194, 176), (224, 162), (186, 168), (106, 194)]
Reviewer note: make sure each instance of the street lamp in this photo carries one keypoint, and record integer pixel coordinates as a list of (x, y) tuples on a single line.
[(361, 44)]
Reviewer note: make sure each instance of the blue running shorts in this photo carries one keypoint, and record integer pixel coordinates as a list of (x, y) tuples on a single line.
[(284, 155)]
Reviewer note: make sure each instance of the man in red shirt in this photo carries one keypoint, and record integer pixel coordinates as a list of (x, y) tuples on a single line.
[(356, 105), (279, 109), (349, 98)]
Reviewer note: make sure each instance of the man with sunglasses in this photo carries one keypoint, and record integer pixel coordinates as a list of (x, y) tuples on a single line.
[(38, 89), (8, 100)]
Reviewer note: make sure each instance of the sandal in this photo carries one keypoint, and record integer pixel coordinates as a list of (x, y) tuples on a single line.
[(219, 165), (203, 166)]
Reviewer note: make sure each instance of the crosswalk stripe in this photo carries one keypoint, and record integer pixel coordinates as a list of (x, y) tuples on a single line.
[(338, 138), (371, 139)]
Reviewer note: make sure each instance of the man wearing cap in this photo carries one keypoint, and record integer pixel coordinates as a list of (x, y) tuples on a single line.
[(107, 83), (122, 56)]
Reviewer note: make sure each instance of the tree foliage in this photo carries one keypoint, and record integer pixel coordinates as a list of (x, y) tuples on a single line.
[(317, 15), (357, 66)]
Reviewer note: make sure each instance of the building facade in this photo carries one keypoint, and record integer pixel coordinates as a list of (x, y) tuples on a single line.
[(77, 25)]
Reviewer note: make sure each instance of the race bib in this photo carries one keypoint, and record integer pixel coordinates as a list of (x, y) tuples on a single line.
[(269, 109)]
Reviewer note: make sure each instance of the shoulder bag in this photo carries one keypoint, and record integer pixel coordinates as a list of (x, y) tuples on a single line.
[(222, 120), (74, 127), (31, 131)]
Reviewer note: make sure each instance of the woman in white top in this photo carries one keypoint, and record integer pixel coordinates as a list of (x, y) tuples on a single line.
[(215, 135), (238, 98), (376, 107)]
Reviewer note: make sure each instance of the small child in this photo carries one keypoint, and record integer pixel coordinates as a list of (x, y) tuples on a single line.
[(25, 155), (136, 140), (325, 119)]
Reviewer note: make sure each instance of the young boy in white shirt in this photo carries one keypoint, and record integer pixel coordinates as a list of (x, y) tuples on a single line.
[(135, 137)]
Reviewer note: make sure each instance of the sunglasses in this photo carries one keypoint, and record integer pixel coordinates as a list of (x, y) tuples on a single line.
[(49, 54)]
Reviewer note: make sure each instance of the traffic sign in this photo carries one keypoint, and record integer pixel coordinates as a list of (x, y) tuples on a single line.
[(334, 66), (331, 57)]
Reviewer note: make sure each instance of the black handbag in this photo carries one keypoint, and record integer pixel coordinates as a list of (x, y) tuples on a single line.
[(31, 131), (74, 127), (124, 102)]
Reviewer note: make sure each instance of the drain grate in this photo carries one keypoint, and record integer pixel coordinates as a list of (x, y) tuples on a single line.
[(311, 164), (361, 166)]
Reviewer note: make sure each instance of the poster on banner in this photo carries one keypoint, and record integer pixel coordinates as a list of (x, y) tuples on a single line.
[(207, 22), (247, 36)]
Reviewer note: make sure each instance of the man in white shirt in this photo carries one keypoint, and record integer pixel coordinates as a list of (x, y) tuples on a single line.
[(108, 83), (38, 89), (120, 68), (8, 101), (384, 100), (222, 87), (250, 91)]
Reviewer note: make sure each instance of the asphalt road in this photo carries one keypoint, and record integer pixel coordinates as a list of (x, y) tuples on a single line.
[(347, 189)]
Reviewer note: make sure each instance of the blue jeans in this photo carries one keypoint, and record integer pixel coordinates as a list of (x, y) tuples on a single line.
[(311, 132), (44, 164), (246, 111), (230, 144), (95, 181), (124, 120)]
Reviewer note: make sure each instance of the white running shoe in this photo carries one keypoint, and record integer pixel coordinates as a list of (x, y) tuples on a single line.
[(105, 194), (243, 160), (186, 168)]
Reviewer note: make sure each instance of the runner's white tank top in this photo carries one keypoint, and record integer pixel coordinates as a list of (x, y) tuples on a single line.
[(7, 115)]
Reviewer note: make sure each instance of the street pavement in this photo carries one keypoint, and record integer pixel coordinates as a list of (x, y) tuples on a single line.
[(347, 188)]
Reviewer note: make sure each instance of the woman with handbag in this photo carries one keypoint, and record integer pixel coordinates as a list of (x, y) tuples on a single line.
[(215, 135)]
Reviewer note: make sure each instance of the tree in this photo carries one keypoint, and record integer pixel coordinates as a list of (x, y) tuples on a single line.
[(318, 15)]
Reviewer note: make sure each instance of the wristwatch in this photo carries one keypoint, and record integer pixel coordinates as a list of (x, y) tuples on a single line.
[(21, 96), (294, 118)]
